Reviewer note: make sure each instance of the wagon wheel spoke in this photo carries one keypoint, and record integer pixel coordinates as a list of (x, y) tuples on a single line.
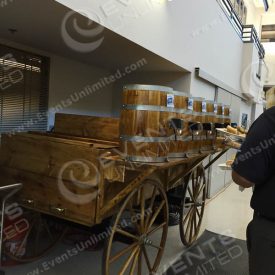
[(122, 252), (25, 239), (132, 259), (48, 230), (191, 226), (198, 213), (134, 263), (129, 260), (189, 221), (195, 188), (200, 191), (157, 228), (157, 212), (146, 259), (140, 264), (155, 246), (151, 207), (191, 194), (187, 215), (142, 210), (133, 214), (126, 234)]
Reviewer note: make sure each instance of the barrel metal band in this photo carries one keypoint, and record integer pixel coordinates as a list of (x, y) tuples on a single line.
[(177, 155), (146, 159), (181, 138), (156, 108), (144, 139), (147, 88)]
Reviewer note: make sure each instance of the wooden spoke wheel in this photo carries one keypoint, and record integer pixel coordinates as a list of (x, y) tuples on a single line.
[(136, 244), (36, 234), (193, 204)]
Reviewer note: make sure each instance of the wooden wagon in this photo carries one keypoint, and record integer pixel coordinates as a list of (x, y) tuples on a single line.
[(77, 174)]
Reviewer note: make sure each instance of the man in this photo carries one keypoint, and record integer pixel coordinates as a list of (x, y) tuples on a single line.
[(255, 167)]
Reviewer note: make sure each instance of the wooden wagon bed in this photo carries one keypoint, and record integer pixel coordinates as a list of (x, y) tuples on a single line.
[(77, 173)]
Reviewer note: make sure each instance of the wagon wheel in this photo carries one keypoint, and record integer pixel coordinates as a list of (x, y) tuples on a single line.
[(193, 204), (144, 241), (39, 234)]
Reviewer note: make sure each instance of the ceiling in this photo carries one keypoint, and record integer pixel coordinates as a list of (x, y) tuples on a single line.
[(38, 24)]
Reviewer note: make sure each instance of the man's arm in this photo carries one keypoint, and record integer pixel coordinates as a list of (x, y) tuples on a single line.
[(241, 180)]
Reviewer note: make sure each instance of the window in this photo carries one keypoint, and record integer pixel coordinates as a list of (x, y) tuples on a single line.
[(24, 87)]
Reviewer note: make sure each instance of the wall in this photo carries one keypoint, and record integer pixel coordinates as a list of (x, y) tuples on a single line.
[(179, 31), (251, 85), (270, 62), (253, 15), (68, 76)]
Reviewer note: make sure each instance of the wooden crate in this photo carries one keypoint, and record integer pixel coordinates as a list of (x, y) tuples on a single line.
[(61, 176)]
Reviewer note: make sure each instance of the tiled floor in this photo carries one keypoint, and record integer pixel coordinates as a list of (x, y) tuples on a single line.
[(228, 213)]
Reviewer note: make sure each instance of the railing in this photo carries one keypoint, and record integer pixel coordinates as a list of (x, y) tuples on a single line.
[(232, 15), (247, 33), (250, 36)]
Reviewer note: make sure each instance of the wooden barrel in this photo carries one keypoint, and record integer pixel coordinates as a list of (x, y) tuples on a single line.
[(208, 135), (195, 105), (227, 114), (179, 145), (210, 115), (220, 113), (145, 122)]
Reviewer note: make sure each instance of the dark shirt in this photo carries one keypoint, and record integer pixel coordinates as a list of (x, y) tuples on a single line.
[(256, 162)]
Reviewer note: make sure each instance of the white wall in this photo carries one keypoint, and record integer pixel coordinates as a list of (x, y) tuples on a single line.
[(270, 62), (67, 77), (250, 84), (189, 33), (201, 88), (253, 15)]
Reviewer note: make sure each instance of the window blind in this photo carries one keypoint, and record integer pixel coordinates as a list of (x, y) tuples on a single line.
[(24, 88)]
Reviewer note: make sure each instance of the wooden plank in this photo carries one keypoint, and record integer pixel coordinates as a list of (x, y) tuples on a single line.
[(50, 158), (45, 194), (97, 143), (102, 128), (126, 191)]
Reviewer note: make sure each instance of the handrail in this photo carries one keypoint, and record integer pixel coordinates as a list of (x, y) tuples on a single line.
[(247, 33), (250, 36)]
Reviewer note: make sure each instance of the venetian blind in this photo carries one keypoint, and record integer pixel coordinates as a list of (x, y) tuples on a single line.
[(24, 87)]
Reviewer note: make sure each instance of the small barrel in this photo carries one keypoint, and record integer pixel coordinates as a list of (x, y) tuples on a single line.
[(179, 144), (145, 122), (195, 105), (210, 115), (220, 113), (227, 114), (208, 136)]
